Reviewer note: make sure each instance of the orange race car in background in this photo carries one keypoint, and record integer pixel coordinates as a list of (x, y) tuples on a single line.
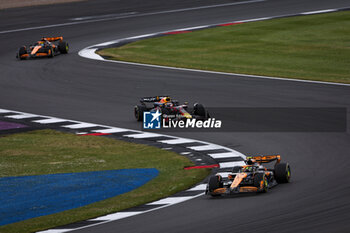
[(44, 48), (253, 177)]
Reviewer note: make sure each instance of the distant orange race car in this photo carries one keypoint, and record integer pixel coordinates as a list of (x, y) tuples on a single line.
[(253, 177), (44, 48)]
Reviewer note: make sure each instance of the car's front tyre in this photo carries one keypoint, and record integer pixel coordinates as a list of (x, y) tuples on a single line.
[(138, 112), (50, 52), (282, 173), (22, 51), (199, 110), (215, 182), (63, 47), (261, 182)]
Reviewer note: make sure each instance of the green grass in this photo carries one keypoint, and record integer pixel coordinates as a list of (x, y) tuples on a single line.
[(315, 47), (49, 152)]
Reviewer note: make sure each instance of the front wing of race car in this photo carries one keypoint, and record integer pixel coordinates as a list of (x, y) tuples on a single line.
[(36, 52)]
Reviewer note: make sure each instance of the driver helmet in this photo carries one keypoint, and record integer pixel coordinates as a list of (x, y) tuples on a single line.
[(251, 161), (165, 100), (44, 41), (248, 169)]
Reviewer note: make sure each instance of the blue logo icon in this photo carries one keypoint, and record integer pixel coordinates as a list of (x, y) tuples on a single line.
[(151, 120)]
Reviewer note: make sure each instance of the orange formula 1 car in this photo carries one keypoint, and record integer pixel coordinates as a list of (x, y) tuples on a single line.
[(253, 177), (44, 48)]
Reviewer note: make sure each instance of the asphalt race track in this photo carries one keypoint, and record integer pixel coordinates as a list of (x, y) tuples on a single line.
[(71, 87)]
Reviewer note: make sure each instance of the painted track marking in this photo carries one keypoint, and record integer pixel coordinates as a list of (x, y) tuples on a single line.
[(89, 52), (74, 125), (127, 15)]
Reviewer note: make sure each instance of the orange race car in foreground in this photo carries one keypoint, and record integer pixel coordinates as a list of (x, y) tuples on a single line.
[(44, 48), (253, 177)]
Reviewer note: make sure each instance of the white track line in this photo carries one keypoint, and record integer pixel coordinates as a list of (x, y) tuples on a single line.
[(170, 200), (112, 130), (21, 116), (50, 121), (4, 111), (212, 6), (129, 16), (177, 141), (206, 147), (144, 135), (89, 53), (119, 215), (253, 20), (201, 187), (102, 16), (318, 12), (224, 155), (185, 153), (80, 125), (56, 231), (116, 216), (217, 72), (231, 164), (161, 207)]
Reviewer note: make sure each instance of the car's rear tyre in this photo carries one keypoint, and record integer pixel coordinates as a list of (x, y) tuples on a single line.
[(264, 186), (22, 51), (282, 173), (215, 182), (63, 47), (199, 110), (138, 112)]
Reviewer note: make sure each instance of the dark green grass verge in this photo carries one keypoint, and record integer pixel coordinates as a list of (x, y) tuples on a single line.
[(315, 47), (49, 152)]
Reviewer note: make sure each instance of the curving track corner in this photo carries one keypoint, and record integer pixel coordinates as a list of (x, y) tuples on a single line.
[(203, 154), (90, 52)]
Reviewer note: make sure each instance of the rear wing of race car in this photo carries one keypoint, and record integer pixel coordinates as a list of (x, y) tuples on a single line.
[(152, 99), (266, 159), (52, 39)]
